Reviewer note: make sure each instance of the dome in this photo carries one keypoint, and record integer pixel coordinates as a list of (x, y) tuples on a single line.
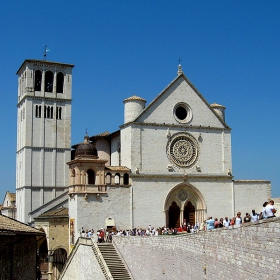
[(86, 149)]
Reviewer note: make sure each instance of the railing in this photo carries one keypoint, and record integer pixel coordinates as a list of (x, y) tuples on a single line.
[(100, 189), (101, 261)]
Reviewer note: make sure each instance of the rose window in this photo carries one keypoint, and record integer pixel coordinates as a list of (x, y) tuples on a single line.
[(182, 149)]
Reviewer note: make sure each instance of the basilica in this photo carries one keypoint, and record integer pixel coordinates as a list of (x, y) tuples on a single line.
[(168, 163)]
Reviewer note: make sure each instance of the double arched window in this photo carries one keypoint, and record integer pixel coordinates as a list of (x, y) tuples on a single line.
[(38, 111), (48, 112)]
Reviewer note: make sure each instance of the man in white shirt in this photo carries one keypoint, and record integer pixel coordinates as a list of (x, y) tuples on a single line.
[(270, 210), (226, 222), (254, 216)]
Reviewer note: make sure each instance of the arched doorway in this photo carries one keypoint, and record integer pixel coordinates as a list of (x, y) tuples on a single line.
[(174, 215), (43, 258), (189, 213), (59, 259), (184, 203)]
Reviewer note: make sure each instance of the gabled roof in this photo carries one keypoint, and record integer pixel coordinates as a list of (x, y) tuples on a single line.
[(117, 168), (103, 135), (195, 90), (59, 212), (10, 226)]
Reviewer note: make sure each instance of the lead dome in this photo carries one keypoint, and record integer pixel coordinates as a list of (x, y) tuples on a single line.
[(86, 149)]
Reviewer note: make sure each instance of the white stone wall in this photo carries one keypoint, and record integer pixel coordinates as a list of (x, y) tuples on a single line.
[(83, 265), (250, 194), (103, 148), (149, 197), (248, 252), (148, 150), (115, 155), (92, 212), (126, 147), (162, 109)]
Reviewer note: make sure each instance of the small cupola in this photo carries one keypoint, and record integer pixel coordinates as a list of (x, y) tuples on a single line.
[(133, 106), (219, 109), (86, 149)]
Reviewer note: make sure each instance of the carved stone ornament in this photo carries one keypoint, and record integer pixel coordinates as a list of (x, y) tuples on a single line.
[(182, 149), (182, 195)]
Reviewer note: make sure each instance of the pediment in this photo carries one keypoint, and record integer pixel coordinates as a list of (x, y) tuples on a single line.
[(181, 103)]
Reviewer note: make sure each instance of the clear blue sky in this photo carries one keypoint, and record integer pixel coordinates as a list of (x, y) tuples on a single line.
[(230, 51)]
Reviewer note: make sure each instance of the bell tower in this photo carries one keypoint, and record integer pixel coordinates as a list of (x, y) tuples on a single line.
[(43, 133)]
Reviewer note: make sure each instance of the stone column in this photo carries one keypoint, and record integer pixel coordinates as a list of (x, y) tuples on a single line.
[(50, 272), (121, 179), (166, 218), (181, 217)]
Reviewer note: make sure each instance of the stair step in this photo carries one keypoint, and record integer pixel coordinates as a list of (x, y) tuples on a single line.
[(113, 261)]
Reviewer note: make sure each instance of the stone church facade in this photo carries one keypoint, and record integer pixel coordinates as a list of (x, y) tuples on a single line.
[(170, 162)]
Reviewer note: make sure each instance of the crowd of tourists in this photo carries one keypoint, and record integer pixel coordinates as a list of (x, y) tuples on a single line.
[(267, 212), (103, 235)]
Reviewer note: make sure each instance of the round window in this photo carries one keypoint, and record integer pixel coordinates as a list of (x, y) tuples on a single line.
[(183, 150), (182, 113)]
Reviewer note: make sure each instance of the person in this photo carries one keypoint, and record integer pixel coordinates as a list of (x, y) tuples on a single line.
[(232, 221), (221, 223), (101, 236), (238, 219), (247, 218), (263, 213), (210, 223), (226, 222), (216, 223), (270, 210), (203, 225), (254, 216)]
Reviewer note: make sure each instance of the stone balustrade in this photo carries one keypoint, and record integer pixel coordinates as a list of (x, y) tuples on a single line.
[(96, 189)]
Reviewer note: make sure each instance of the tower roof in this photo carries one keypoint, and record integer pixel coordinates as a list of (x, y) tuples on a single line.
[(45, 62), (134, 97), (86, 149), (215, 105)]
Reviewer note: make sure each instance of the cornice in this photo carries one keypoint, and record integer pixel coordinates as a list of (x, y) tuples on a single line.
[(168, 125), (44, 148), (45, 63), (252, 181), (43, 98), (86, 160), (183, 177)]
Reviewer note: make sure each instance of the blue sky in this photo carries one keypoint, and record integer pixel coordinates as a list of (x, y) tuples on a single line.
[(229, 51)]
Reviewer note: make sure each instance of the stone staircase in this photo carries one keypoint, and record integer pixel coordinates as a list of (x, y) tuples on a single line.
[(114, 262)]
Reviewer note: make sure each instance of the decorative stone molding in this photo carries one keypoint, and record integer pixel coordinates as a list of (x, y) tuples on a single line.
[(182, 150)]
